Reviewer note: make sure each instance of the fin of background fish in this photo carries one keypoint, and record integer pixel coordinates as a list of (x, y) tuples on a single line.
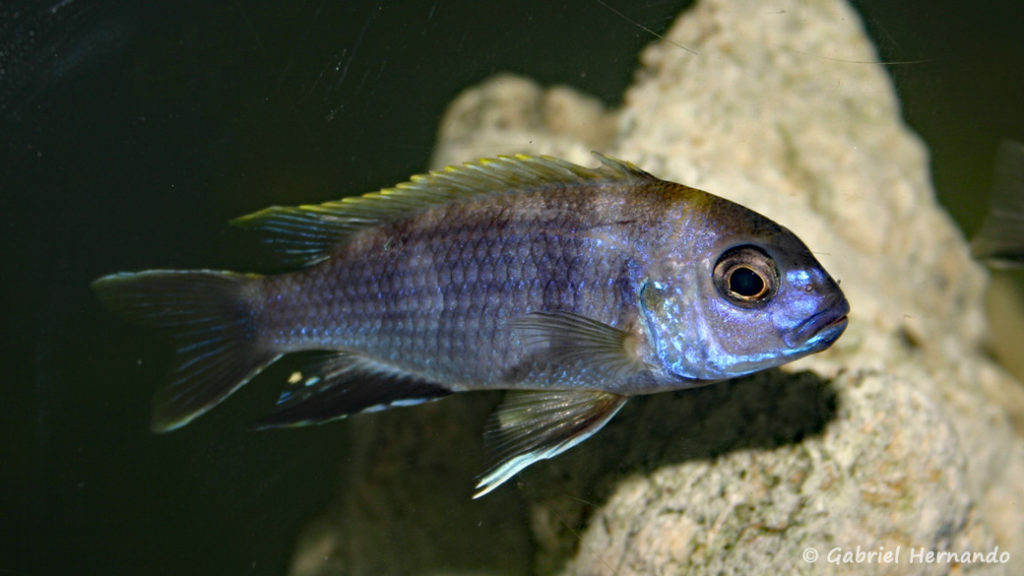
[(1000, 242), (207, 315), (340, 384), (566, 338), (530, 426), (308, 234)]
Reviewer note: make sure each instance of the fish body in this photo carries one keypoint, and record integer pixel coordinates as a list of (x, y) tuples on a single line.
[(574, 288), (433, 295)]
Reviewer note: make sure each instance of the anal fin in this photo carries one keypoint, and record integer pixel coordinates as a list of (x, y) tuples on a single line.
[(341, 384), (530, 426)]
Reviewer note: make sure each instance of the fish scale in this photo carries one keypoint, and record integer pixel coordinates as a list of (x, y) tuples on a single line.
[(573, 288), (440, 287)]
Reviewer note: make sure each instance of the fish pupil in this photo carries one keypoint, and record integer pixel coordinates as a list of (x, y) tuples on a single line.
[(746, 283), (746, 276)]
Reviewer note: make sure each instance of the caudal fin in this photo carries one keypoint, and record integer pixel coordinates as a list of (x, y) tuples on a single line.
[(209, 318)]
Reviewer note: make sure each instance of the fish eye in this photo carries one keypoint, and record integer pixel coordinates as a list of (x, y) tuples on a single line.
[(746, 276)]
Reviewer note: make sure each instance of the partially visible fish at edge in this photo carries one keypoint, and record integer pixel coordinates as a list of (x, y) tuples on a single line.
[(573, 288), (1000, 241)]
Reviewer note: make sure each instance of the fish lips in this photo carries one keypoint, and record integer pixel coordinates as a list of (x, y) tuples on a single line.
[(820, 330)]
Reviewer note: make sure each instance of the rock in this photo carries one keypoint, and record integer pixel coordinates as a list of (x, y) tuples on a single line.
[(404, 507), (898, 440)]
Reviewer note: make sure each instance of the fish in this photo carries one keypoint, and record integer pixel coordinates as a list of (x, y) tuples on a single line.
[(1000, 240), (569, 287)]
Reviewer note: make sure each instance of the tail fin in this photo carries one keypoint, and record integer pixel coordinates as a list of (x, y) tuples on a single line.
[(209, 317)]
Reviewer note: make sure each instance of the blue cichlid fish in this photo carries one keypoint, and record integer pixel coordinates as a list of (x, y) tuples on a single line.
[(572, 287), (1000, 242)]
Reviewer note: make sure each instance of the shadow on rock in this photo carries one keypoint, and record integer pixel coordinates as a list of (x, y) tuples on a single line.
[(759, 412), (404, 501)]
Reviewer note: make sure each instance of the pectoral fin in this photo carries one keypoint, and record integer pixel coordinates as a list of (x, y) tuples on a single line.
[(566, 339), (530, 426)]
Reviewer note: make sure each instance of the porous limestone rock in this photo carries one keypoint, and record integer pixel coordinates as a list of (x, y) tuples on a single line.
[(898, 440)]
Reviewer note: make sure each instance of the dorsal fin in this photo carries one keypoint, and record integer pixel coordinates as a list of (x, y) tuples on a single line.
[(310, 233)]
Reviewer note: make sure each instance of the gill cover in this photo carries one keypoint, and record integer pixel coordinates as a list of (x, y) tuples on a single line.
[(739, 310)]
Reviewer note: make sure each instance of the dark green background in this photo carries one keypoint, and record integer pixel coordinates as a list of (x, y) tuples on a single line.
[(132, 132)]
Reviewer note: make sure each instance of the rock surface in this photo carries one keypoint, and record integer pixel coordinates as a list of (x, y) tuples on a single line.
[(900, 439)]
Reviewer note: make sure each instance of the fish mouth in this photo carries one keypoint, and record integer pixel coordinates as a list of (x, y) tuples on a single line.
[(820, 330)]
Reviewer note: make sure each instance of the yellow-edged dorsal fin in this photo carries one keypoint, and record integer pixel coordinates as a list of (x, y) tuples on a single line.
[(310, 233)]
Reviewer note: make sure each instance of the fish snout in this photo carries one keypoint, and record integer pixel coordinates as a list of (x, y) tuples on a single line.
[(822, 328)]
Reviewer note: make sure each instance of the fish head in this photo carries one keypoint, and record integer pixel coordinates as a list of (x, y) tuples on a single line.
[(743, 295)]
